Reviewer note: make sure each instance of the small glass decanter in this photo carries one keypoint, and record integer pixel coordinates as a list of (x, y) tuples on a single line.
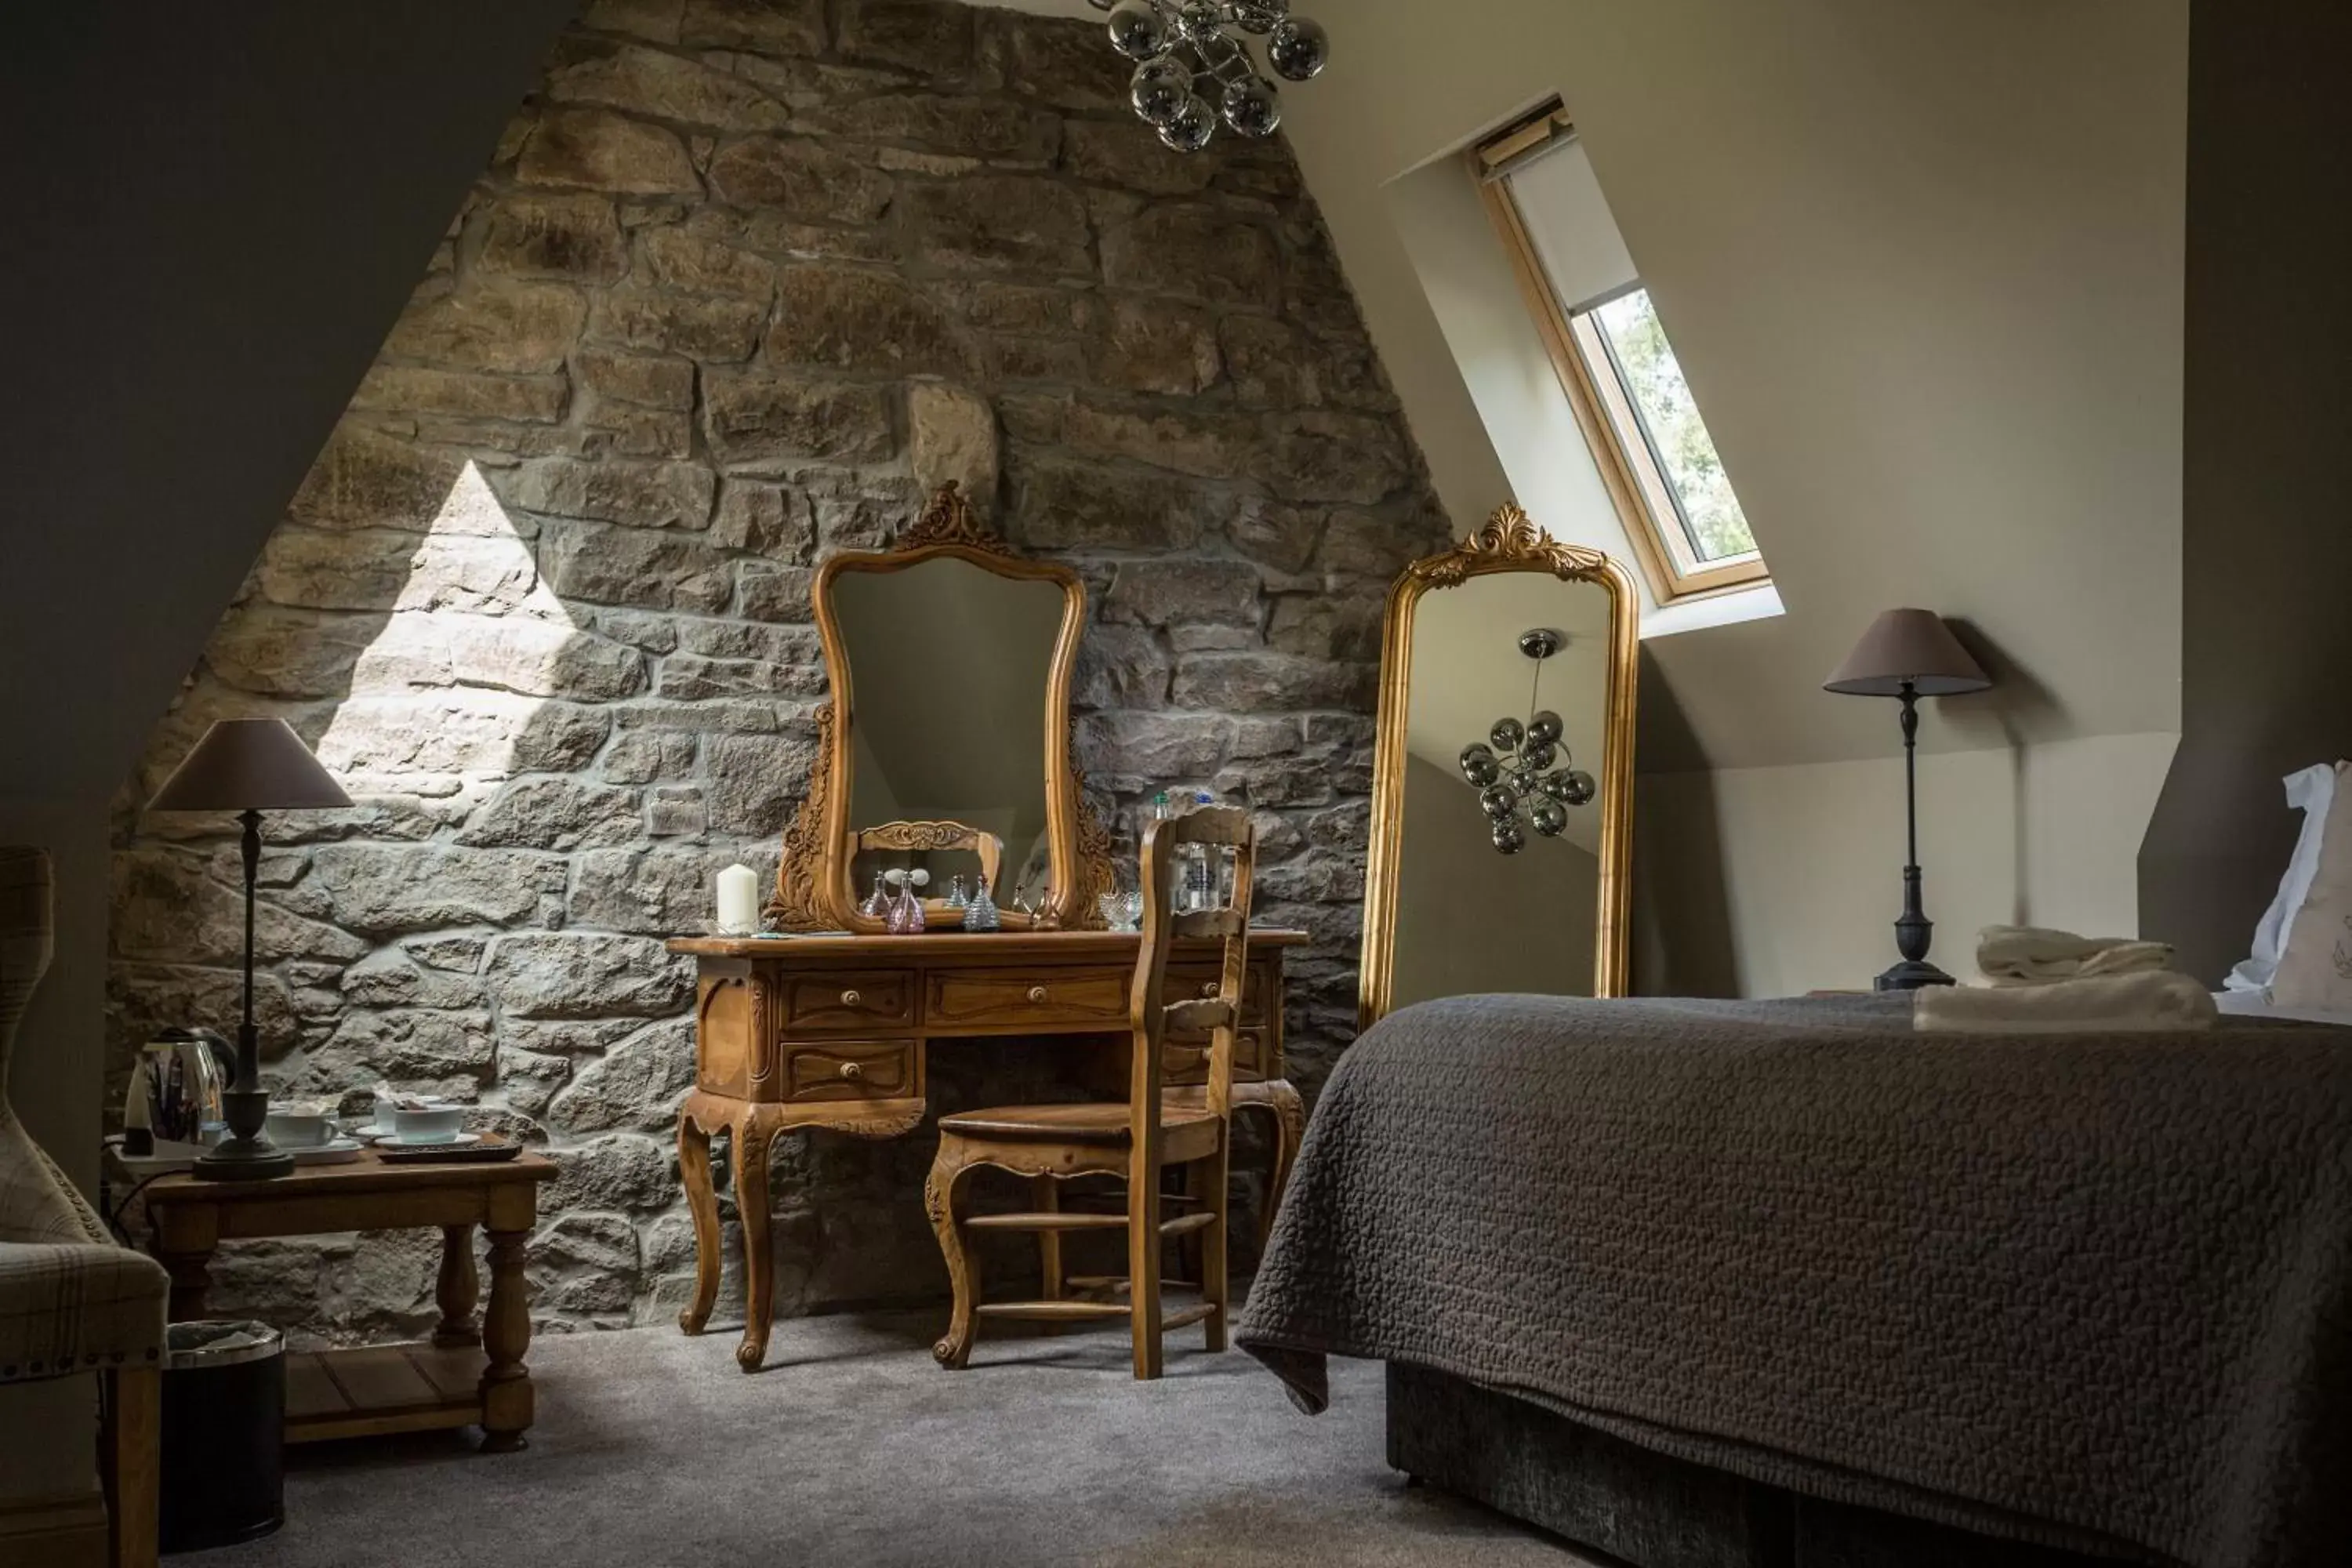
[(877, 904), (956, 899), (980, 913)]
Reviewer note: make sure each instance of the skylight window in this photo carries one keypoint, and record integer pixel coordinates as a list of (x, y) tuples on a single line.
[(1615, 361)]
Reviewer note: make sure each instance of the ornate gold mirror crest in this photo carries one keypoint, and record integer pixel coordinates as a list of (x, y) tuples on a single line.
[(950, 657), (1444, 914)]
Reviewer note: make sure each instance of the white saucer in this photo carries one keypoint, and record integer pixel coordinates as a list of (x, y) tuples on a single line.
[(334, 1152), (394, 1141)]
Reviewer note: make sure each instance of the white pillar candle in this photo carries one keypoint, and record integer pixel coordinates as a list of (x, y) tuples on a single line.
[(739, 900)]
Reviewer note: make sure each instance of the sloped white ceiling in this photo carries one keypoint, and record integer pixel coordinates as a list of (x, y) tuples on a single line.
[(1922, 265)]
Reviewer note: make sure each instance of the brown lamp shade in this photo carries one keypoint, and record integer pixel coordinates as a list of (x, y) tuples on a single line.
[(249, 764), (1911, 648)]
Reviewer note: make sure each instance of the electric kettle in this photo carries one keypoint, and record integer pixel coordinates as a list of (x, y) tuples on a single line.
[(175, 1089)]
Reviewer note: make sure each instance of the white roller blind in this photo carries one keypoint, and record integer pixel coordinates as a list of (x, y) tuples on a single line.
[(1569, 223)]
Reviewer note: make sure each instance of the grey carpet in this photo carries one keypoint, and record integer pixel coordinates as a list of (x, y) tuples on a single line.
[(854, 1448)]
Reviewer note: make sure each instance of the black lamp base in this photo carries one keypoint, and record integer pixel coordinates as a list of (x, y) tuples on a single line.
[(236, 1160), (1911, 975)]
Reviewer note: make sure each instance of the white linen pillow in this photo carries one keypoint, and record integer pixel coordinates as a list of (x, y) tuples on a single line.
[(2315, 969), (2311, 791)]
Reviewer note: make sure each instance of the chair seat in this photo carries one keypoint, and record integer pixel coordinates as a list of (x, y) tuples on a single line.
[(1096, 1123)]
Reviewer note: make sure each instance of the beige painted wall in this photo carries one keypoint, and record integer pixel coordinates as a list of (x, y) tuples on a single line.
[(1770, 881)]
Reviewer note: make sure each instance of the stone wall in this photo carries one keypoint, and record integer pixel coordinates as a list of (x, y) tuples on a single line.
[(743, 281)]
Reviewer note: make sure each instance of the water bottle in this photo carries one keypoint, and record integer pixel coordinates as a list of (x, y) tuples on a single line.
[(1201, 876)]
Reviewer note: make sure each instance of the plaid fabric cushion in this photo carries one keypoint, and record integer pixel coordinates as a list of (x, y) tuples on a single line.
[(73, 1307)]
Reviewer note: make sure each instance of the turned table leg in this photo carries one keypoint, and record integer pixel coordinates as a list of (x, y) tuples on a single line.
[(507, 1394), (752, 1138), (702, 1203), (457, 1289)]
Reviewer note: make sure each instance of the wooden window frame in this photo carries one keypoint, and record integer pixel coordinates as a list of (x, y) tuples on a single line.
[(1637, 489)]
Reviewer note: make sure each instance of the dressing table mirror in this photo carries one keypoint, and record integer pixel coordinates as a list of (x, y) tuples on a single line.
[(1502, 794), (946, 745)]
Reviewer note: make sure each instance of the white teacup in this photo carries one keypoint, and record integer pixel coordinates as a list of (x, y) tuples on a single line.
[(300, 1129), (436, 1124)]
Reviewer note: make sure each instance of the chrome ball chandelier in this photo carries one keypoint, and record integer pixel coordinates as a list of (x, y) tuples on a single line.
[(1533, 777), (1193, 65)]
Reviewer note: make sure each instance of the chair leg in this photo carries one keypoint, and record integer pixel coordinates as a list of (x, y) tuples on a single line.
[(1213, 1288), (1046, 1193), (953, 1350), (134, 1440), (1143, 1243)]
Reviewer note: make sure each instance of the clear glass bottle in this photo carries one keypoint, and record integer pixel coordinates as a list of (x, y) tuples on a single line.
[(877, 904)]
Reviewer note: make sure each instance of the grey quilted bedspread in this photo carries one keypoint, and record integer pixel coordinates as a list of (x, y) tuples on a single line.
[(2095, 1291)]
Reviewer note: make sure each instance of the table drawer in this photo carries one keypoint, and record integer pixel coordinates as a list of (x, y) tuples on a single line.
[(1185, 1064), (1007, 1000), (851, 1070), (849, 999), (1187, 982)]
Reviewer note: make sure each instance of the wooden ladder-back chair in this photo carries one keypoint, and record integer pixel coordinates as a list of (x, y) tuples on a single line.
[(1138, 1140)]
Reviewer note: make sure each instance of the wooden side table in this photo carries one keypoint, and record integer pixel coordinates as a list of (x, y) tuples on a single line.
[(382, 1388)]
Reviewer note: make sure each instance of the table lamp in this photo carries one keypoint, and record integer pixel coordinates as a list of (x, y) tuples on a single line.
[(248, 766), (1909, 654)]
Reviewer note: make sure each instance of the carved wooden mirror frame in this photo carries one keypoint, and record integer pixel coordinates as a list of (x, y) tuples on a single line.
[(813, 882), (1510, 542)]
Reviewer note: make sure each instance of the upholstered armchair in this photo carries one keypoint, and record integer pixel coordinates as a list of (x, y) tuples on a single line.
[(72, 1303)]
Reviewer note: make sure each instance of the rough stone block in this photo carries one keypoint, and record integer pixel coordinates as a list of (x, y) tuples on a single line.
[(661, 85), (709, 328), (931, 36), (517, 328), (364, 478), (1190, 593), (675, 814), (799, 179), (1067, 505), (771, 26), (999, 130), (644, 756), (1333, 457), (848, 318), (767, 593), (589, 149), (1047, 59), (557, 813), (574, 975), (650, 380), (614, 489), (538, 236), (770, 520), (382, 890), (1002, 223), (583, 1263), (756, 779), (952, 437), (1154, 346), (1126, 154), (677, 257), (1197, 250), (635, 1086), (605, 564), (403, 1045), (751, 417), (1268, 682), (533, 399), (620, 1170)]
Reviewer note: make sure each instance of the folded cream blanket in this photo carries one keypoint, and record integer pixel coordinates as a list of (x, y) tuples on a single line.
[(2150, 1001), (2034, 955)]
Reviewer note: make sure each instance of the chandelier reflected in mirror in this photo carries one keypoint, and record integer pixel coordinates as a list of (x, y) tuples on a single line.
[(1193, 66), (1523, 772)]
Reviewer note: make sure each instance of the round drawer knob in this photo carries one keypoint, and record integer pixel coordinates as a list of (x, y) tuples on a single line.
[(1037, 994), (849, 999), (852, 1069)]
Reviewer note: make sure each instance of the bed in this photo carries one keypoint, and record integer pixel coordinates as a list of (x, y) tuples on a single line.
[(1755, 1282)]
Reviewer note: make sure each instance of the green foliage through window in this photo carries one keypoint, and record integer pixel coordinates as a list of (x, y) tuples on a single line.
[(1676, 436)]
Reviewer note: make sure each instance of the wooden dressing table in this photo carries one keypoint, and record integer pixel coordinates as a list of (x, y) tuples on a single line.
[(833, 1032)]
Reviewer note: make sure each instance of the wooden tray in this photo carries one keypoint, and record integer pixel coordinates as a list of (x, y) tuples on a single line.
[(490, 1149)]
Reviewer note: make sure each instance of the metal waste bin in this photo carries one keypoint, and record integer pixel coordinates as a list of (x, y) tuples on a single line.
[(224, 1434)]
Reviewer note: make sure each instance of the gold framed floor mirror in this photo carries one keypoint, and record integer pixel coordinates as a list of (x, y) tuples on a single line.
[(944, 748), (1502, 788)]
